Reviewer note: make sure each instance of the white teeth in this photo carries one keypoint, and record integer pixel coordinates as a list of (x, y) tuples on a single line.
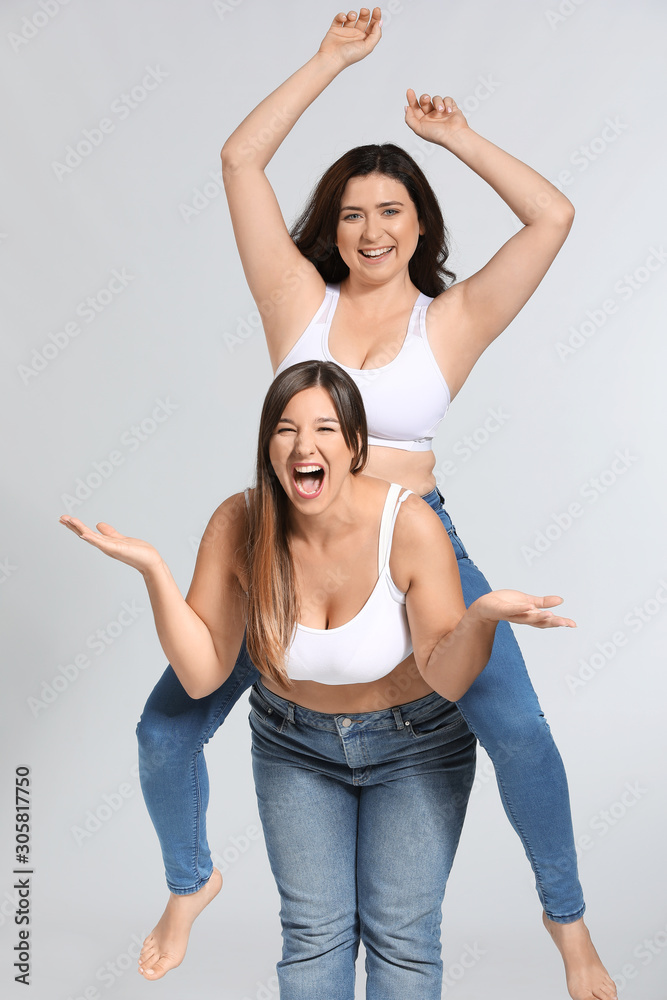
[(308, 468), (376, 253)]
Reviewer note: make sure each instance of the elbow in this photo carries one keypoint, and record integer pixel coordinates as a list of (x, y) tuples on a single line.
[(229, 159), (235, 156), (196, 691), (454, 693), (566, 215), (562, 214)]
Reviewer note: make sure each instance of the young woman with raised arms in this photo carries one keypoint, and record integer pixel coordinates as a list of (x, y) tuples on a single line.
[(358, 802)]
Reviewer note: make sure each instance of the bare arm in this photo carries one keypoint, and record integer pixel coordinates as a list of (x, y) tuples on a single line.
[(468, 317), (452, 645), (201, 634), (273, 266)]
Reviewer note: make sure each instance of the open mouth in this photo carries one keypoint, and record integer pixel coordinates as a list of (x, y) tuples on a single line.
[(308, 480), (378, 254)]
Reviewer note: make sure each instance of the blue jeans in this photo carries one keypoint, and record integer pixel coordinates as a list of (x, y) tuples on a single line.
[(362, 816), (501, 709)]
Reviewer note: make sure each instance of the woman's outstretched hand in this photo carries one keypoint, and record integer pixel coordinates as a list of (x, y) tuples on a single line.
[(351, 38), (140, 555), (433, 118), (521, 609)]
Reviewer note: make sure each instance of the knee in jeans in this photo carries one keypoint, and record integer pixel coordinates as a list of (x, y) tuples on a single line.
[(403, 941), (157, 746), (313, 940)]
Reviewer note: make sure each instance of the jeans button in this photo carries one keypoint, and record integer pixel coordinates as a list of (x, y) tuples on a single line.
[(347, 722)]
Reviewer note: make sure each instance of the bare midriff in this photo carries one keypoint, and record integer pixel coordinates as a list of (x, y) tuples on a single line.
[(402, 685), (412, 469)]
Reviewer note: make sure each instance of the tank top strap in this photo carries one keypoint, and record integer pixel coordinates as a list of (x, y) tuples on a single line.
[(392, 505), (418, 319)]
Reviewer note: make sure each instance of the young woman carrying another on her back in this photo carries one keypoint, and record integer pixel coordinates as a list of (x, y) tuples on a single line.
[(359, 798), (362, 281)]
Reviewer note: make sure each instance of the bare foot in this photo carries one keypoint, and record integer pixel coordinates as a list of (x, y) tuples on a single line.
[(165, 946), (587, 978)]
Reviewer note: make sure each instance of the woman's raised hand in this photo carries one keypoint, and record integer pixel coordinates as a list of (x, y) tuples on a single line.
[(140, 555), (433, 118), (521, 609), (352, 37)]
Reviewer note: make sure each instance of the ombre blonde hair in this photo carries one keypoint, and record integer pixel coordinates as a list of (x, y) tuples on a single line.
[(273, 606)]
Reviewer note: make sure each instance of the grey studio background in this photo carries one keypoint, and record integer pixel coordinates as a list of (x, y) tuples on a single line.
[(133, 371)]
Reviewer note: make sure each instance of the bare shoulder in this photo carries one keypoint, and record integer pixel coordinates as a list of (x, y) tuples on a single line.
[(227, 528), (417, 524), (421, 549)]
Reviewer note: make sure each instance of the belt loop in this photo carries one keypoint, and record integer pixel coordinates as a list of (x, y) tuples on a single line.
[(442, 499), (290, 712), (398, 718)]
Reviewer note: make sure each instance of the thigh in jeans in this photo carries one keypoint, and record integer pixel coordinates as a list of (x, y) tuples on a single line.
[(409, 829), (310, 827)]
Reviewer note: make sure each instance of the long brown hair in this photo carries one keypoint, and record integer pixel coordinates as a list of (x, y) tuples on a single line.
[(314, 232), (273, 606)]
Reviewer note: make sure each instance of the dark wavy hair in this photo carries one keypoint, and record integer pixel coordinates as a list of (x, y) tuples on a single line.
[(273, 607), (314, 232)]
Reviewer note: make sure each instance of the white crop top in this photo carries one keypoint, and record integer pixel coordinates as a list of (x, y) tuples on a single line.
[(372, 643), (405, 400)]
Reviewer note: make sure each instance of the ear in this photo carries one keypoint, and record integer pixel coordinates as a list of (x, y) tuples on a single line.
[(422, 228)]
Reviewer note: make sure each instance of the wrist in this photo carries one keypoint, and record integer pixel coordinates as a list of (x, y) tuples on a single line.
[(329, 62), (156, 571), (455, 141), (480, 611)]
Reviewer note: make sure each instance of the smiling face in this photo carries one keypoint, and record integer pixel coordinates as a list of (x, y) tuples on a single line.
[(378, 227), (308, 451)]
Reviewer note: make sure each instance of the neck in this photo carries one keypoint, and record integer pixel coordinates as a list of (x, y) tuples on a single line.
[(380, 298), (340, 515)]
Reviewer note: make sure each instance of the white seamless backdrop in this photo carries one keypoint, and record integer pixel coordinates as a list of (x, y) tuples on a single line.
[(134, 368)]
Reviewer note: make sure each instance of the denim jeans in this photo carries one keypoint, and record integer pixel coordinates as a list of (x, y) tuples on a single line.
[(501, 709), (362, 816)]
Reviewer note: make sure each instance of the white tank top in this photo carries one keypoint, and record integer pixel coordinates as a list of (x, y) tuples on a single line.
[(372, 643), (405, 400)]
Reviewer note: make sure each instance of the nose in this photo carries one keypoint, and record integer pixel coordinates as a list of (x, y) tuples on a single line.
[(304, 444), (372, 229)]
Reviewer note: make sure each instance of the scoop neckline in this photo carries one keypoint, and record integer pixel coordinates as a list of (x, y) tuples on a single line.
[(381, 575), (363, 371), (339, 628)]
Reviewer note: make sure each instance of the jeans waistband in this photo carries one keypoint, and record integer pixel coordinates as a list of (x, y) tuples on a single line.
[(386, 718), (434, 497)]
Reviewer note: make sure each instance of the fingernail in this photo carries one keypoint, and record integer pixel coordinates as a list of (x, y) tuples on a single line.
[(406, 109)]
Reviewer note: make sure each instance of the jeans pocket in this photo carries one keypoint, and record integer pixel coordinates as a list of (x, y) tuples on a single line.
[(262, 712), (446, 717)]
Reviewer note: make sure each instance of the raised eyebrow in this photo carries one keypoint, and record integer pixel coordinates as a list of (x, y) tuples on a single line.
[(381, 204)]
